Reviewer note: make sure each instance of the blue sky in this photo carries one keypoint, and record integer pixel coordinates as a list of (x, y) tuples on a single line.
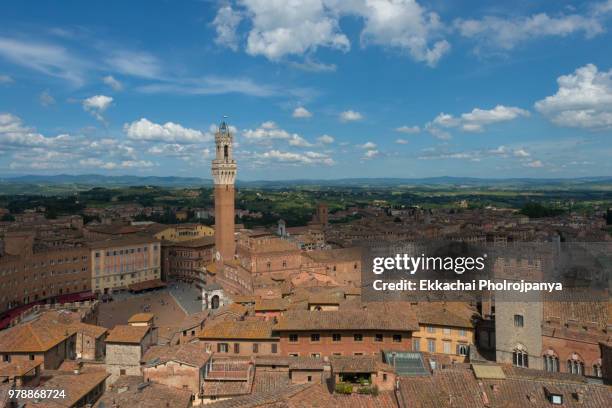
[(313, 88)]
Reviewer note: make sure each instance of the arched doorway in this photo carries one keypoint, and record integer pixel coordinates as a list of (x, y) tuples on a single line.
[(214, 302)]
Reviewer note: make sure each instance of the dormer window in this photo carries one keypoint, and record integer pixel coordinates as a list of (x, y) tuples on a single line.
[(556, 399), (553, 395)]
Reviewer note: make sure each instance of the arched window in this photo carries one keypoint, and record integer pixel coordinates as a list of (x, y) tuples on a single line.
[(551, 363), (225, 151), (597, 370), (520, 357), (575, 365)]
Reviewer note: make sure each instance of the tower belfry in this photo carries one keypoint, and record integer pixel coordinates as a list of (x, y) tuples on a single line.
[(224, 176)]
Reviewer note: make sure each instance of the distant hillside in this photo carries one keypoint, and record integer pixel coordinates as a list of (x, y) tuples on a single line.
[(450, 182), (100, 180), (63, 183)]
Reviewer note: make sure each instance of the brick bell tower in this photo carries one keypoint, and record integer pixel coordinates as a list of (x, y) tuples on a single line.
[(224, 175)]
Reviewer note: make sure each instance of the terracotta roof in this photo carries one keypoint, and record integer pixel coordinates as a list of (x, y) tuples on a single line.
[(262, 305), (326, 298), (266, 381), (449, 314), (132, 391), (193, 354), (581, 311), (335, 255), (194, 320), (519, 393), (305, 363), (454, 388), (17, 368), (281, 361), (205, 241), (35, 336), (385, 399), (443, 389), (76, 386), (532, 374), (228, 312), (348, 319), (226, 388), (141, 318), (127, 334), (353, 364), (245, 298), (123, 240), (73, 320), (238, 329), (276, 398)]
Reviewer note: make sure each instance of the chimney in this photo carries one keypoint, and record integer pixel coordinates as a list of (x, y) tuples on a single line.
[(579, 395)]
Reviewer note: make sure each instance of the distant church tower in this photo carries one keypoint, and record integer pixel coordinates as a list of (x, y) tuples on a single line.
[(224, 176)]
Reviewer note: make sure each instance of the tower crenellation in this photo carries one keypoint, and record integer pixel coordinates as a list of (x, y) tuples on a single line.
[(223, 165)]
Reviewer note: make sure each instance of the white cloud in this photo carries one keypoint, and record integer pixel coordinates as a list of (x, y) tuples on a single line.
[(521, 153), (281, 28), (126, 164), (401, 24), (226, 23), (368, 146), (309, 64), (501, 152), (408, 129), (46, 99), (29, 149), (437, 132), (370, 154), (169, 132), (401, 141), (42, 159), (110, 147), (97, 105), (298, 141), (113, 83), (471, 156), (138, 64), (295, 27), (307, 158), (269, 131), (301, 112), (475, 120), (49, 59), (5, 79), (495, 32), (325, 139), (350, 116), (14, 133), (170, 149), (536, 164), (212, 85), (602, 8), (584, 99)]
